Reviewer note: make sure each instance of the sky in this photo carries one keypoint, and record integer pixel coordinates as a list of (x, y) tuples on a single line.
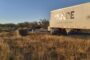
[(16, 11)]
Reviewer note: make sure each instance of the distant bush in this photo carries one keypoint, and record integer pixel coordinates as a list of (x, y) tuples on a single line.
[(43, 23)]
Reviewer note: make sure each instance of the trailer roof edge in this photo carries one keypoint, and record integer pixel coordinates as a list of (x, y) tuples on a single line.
[(71, 6)]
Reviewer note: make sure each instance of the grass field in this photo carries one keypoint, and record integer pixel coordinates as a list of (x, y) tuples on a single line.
[(44, 47)]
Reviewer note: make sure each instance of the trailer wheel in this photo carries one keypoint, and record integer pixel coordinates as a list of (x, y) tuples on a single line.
[(63, 32), (58, 31), (52, 31), (75, 31)]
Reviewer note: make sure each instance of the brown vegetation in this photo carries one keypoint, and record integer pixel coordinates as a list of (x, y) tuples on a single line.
[(44, 47), (43, 23)]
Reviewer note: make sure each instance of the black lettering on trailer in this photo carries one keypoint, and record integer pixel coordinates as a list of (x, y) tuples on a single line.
[(70, 15)]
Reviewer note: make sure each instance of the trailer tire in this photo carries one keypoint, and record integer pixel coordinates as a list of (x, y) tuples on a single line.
[(63, 32), (58, 31), (52, 32)]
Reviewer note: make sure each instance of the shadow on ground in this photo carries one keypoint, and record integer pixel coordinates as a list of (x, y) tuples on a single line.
[(80, 35)]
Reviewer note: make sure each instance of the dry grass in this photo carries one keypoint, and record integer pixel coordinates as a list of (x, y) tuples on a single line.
[(45, 47)]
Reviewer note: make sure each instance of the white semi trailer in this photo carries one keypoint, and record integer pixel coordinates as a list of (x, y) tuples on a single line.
[(74, 18)]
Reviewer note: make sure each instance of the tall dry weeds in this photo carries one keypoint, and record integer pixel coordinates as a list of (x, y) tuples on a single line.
[(45, 47)]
